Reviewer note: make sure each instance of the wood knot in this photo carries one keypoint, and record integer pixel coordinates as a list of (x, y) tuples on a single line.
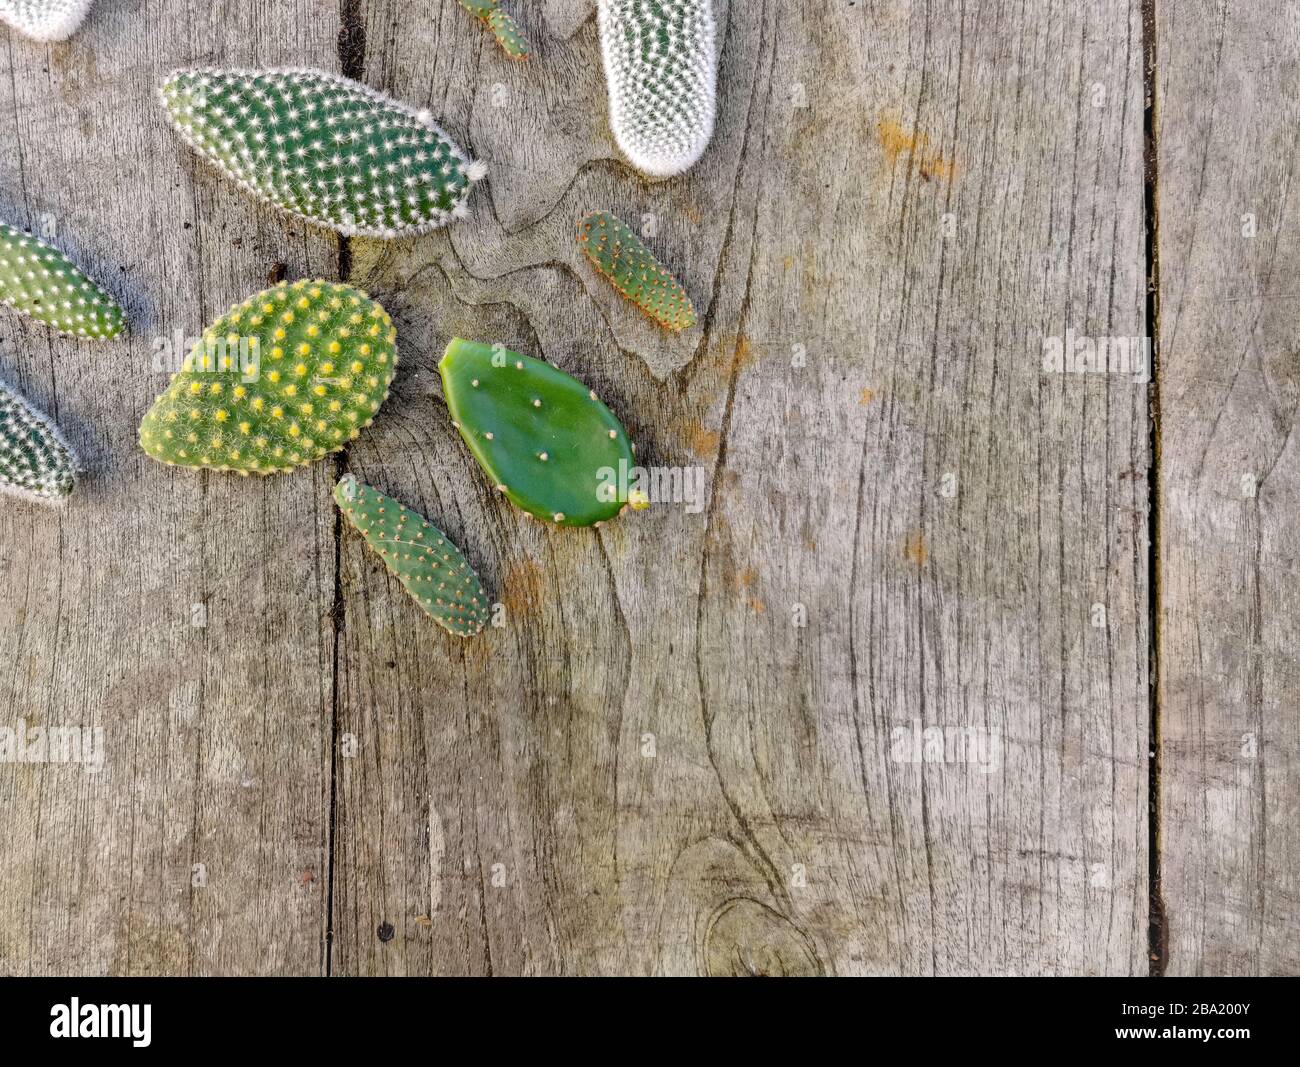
[(745, 938)]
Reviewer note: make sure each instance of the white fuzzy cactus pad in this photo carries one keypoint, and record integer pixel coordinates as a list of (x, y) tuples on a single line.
[(324, 148), (44, 20), (661, 66)]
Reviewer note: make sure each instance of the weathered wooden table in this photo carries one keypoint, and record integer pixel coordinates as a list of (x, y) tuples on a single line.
[(697, 742)]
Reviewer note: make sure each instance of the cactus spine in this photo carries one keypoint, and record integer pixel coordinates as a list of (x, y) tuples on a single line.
[(279, 381), (324, 148), (44, 20), (504, 28), (35, 461), (42, 282), (661, 69), (541, 436), (620, 255), (428, 565)]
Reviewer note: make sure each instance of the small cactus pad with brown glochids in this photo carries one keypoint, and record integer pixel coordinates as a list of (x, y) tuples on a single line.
[(277, 382), (432, 569), (35, 461), (42, 282), (620, 255), (541, 436), (325, 148), (504, 28)]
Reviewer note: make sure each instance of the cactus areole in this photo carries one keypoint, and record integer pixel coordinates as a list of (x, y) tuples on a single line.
[(542, 437), (325, 148)]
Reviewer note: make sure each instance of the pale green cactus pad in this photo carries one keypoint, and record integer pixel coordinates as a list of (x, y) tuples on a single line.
[(279, 381), (325, 148), (620, 255), (540, 435), (431, 568), (42, 282), (661, 68), (35, 461), (504, 28)]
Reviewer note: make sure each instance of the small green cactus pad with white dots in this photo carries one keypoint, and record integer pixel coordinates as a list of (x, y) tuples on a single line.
[(277, 382), (41, 281), (325, 148), (620, 255), (35, 461), (430, 567), (541, 436), (504, 28)]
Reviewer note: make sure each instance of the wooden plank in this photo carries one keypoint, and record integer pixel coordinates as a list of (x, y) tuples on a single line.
[(652, 767), (186, 615), (1230, 680)]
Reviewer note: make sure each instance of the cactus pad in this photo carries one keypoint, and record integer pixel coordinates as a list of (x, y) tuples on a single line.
[(619, 255), (430, 567), (661, 68), (44, 20), (541, 436), (35, 461), (504, 28), (324, 148), (279, 381), (41, 281)]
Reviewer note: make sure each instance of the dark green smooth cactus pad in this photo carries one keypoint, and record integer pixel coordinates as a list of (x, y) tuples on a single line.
[(542, 437), (42, 282), (277, 382), (326, 148), (620, 255), (430, 567)]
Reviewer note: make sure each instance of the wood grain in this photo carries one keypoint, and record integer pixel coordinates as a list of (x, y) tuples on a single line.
[(681, 751), (1229, 146), (770, 831), (185, 615)]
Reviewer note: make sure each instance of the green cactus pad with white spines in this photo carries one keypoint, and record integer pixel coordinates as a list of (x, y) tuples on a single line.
[(661, 70), (541, 436), (42, 282), (503, 26), (35, 461), (431, 568), (279, 381), (324, 148), (623, 258)]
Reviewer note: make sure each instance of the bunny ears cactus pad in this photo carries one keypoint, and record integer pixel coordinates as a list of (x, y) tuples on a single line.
[(35, 461), (620, 255), (324, 148), (44, 20), (431, 568), (541, 436), (661, 67), (504, 28), (42, 282), (279, 381)]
